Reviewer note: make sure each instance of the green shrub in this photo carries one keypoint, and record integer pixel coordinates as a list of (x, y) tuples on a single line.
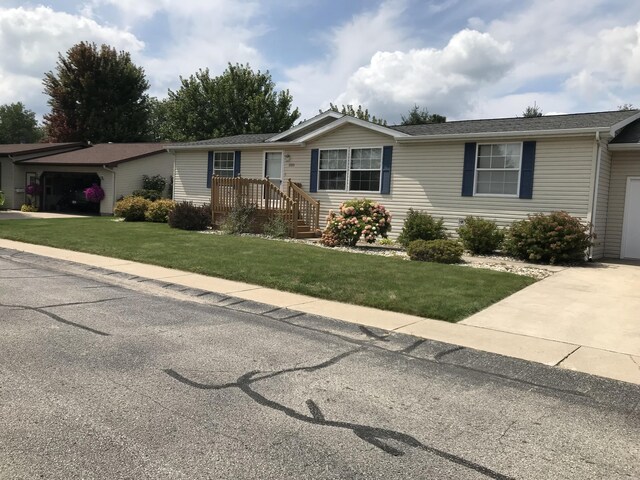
[(159, 210), (480, 236), (240, 219), (151, 195), (440, 251), (1, 198), (356, 220), (276, 227), (131, 208), (187, 216), (156, 183), (554, 238), (421, 226), (386, 241), (28, 208)]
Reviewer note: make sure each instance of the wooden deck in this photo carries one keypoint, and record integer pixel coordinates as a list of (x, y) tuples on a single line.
[(296, 207)]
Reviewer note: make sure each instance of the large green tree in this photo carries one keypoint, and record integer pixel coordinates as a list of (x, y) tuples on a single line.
[(362, 114), (18, 124), (98, 95), (238, 101), (418, 116)]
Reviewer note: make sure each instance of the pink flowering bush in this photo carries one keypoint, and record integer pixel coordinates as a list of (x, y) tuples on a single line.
[(94, 193), (356, 220)]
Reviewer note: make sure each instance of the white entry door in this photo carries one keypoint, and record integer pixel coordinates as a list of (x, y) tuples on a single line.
[(631, 223), (273, 167)]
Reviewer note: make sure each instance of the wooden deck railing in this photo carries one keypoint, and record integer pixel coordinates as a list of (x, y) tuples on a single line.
[(228, 193), (308, 207)]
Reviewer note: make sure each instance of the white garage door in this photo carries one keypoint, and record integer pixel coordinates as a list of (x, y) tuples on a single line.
[(631, 225)]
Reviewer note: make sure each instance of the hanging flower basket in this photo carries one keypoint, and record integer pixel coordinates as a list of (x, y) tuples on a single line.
[(94, 193), (33, 189)]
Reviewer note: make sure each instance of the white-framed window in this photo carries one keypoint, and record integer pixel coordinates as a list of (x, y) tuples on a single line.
[(223, 164), (498, 169), (354, 170)]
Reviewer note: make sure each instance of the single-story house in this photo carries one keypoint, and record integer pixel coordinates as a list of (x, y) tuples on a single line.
[(64, 170), (587, 164)]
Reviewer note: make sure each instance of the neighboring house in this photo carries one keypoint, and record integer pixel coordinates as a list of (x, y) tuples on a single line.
[(65, 170), (503, 169)]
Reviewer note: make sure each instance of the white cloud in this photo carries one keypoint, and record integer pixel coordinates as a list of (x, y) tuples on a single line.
[(201, 34), (444, 80), (351, 45), (30, 40)]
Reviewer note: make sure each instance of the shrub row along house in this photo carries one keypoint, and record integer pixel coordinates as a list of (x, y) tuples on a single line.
[(64, 170), (503, 169)]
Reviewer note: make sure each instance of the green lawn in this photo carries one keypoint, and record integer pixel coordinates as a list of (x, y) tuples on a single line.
[(445, 292)]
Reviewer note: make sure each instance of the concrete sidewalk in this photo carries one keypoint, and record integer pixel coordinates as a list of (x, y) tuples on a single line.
[(478, 332)]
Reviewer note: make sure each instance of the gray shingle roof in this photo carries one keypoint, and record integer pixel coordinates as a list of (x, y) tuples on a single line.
[(27, 148), (629, 134), (547, 122), (233, 140)]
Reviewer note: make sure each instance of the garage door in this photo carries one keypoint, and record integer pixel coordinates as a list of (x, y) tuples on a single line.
[(631, 225)]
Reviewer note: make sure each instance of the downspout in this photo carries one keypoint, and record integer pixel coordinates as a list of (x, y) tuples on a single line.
[(113, 201), (596, 186)]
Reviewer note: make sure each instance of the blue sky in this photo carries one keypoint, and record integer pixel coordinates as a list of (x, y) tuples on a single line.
[(459, 58)]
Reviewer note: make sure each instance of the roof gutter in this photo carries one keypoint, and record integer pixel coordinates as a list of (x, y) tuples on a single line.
[(174, 148), (518, 134)]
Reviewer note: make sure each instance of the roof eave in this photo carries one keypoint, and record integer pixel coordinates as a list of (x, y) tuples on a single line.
[(621, 147), (305, 124), (172, 148), (516, 134)]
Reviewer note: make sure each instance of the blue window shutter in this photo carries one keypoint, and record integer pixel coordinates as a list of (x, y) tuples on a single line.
[(469, 171), (385, 184), (313, 179), (526, 171), (209, 169), (236, 163)]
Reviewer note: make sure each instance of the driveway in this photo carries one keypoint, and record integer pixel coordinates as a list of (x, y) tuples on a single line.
[(596, 308), (109, 375), (18, 215)]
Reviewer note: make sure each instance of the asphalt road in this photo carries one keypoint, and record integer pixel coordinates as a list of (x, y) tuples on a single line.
[(106, 375)]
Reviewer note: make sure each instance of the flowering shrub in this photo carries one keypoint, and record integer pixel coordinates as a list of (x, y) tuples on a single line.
[(159, 211), (94, 193), (356, 219), (33, 189), (132, 209), (554, 238)]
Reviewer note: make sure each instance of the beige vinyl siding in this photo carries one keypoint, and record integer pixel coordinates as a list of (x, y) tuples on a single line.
[(623, 166), (7, 184), (600, 221), (190, 174), (129, 174), (429, 177)]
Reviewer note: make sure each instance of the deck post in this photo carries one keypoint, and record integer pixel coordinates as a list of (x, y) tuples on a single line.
[(294, 219)]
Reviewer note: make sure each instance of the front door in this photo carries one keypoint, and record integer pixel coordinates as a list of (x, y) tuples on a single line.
[(273, 167), (631, 223)]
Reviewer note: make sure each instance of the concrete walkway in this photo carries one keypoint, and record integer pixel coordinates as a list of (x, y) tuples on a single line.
[(526, 325)]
